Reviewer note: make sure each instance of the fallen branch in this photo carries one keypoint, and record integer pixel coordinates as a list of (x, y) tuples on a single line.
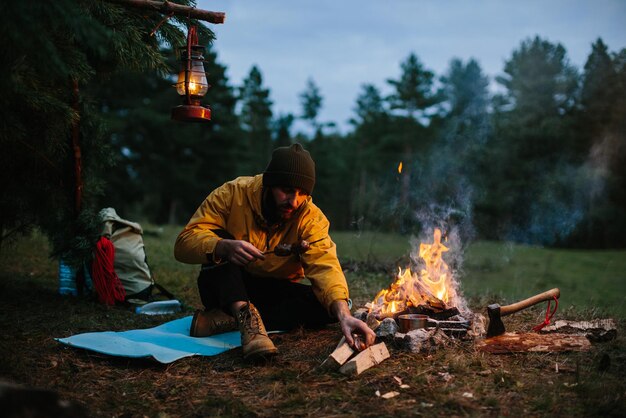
[(166, 7), (531, 342)]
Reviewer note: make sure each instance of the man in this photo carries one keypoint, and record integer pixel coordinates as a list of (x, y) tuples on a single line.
[(256, 238)]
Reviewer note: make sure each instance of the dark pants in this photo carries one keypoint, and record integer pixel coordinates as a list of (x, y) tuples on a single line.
[(283, 304)]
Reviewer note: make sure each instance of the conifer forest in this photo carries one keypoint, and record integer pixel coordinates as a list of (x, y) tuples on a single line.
[(540, 161)]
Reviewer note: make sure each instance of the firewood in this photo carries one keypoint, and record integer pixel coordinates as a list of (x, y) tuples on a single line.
[(531, 342), (338, 357), (367, 358), (596, 330)]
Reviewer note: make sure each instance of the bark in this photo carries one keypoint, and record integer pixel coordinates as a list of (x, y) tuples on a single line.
[(531, 342), (595, 330), (166, 7)]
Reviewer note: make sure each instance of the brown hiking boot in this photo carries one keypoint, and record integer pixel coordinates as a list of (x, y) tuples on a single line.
[(254, 339), (215, 321)]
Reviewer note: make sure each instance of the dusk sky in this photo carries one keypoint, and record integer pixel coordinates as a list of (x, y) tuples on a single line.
[(342, 44)]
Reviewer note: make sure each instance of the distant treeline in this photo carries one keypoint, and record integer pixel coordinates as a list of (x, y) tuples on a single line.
[(543, 161)]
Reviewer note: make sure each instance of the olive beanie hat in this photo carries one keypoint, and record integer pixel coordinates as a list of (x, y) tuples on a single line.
[(291, 166)]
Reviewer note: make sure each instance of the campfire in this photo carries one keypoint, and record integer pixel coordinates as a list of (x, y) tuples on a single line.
[(422, 311), (430, 290)]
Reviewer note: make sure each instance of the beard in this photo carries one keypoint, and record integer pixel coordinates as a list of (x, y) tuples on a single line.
[(285, 210)]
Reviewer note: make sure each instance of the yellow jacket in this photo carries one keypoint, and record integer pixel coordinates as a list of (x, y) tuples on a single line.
[(236, 208)]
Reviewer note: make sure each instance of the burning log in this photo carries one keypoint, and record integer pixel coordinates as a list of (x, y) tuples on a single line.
[(428, 290), (439, 314), (367, 358)]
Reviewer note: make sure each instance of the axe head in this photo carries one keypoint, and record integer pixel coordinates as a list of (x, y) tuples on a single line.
[(496, 327)]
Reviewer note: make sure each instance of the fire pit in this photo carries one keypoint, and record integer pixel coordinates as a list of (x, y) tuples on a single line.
[(430, 292)]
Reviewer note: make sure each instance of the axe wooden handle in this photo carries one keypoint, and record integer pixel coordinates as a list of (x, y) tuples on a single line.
[(518, 306)]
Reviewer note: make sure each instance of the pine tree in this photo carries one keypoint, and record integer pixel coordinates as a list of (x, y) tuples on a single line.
[(368, 158), (281, 127), (453, 169), (413, 99), (166, 167), (256, 118), (602, 144), (52, 52), (531, 152), (311, 101), (413, 91), (598, 94)]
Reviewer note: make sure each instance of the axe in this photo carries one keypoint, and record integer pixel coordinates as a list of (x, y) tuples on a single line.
[(496, 312)]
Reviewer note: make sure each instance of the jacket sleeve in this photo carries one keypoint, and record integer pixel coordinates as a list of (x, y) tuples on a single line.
[(196, 243), (320, 262)]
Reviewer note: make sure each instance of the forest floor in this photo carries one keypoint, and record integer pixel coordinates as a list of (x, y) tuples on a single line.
[(455, 380)]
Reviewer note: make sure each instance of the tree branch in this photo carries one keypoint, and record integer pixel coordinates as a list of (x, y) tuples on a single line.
[(166, 7)]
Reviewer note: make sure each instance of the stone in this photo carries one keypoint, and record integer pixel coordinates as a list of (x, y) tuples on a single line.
[(361, 314), (387, 328)]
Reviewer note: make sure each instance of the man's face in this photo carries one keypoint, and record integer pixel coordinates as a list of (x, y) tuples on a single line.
[(287, 200)]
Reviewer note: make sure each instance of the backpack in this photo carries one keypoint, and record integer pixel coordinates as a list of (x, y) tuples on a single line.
[(130, 261)]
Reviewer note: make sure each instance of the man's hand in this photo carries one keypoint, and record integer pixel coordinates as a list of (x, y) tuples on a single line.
[(237, 252), (350, 326)]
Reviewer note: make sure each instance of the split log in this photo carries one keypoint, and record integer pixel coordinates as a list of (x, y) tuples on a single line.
[(531, 342), (596, 330), (367, 358), (338, 357), (166, 7)]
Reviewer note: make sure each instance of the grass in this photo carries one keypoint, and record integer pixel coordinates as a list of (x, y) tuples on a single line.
[(440, 382), (589, 280)]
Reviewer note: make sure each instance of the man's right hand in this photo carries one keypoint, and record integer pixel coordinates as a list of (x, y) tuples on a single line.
[(237, 251)]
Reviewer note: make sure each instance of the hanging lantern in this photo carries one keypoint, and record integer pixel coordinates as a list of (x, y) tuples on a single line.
[(192, 84)]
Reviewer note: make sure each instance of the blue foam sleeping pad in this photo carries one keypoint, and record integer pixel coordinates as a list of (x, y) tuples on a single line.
[(165, 343)]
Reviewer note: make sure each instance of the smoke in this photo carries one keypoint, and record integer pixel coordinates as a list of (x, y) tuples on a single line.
[(454, 222), (555, 207), (565, 196)]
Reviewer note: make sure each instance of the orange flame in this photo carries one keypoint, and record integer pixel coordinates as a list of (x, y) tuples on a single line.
[(432, 284), (400, 168)]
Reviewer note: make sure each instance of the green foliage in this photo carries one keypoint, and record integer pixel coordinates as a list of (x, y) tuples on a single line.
[(165, 168), (281, 128), (311, 102), (413, 91), (51, 55), (543, 162), (601, 133), (529, 195), (256, 117)]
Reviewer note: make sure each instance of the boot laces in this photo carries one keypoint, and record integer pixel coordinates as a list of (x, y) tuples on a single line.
[(250, 319)]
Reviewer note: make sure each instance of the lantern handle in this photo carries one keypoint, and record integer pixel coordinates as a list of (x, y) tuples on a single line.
[(165, 19), (192, 38)]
